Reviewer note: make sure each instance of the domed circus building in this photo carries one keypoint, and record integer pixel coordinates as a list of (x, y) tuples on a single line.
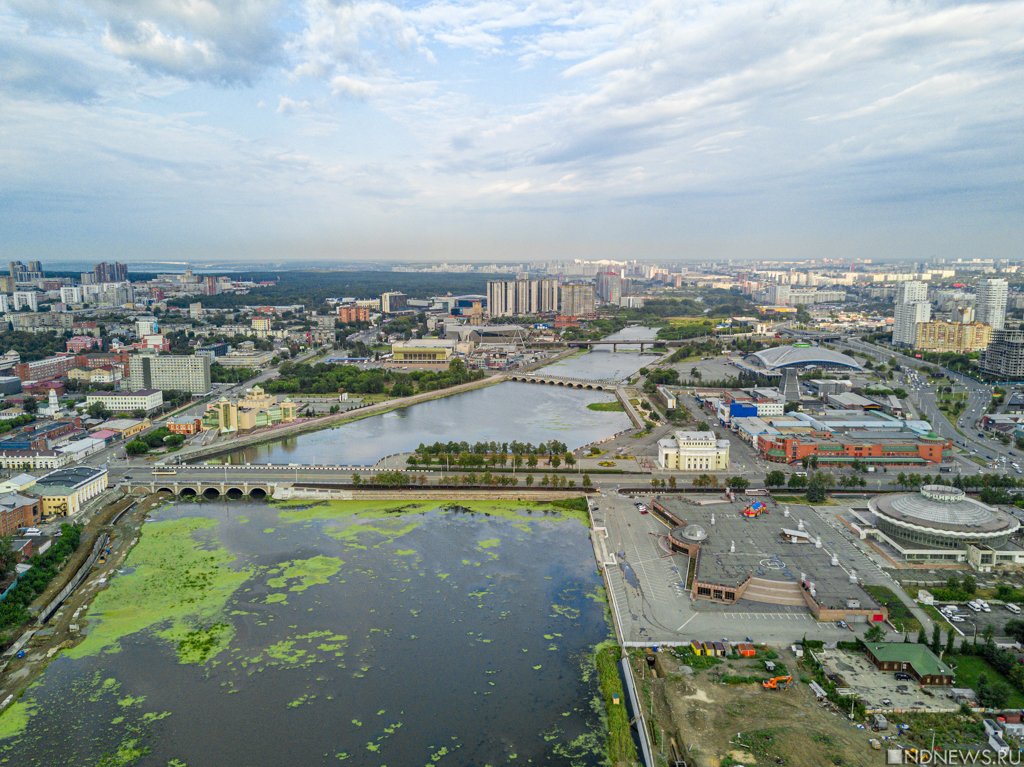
[(941, 525)]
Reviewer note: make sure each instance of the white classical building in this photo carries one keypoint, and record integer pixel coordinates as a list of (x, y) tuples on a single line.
[(693, 451)]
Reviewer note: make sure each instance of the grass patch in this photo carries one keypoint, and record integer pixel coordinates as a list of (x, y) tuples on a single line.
[(951, 730), (606, 407), (899, 614), (620, 748), (970, 667), (687, 657)]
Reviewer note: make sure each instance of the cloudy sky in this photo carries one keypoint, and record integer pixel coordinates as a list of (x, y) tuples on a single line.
[(498, 129)]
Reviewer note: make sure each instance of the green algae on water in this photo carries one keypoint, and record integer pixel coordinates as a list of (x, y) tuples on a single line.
[(300, 574), (176, 589)]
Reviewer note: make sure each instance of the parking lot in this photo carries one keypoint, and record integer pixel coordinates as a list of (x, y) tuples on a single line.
[(880, 690), (975, 623)]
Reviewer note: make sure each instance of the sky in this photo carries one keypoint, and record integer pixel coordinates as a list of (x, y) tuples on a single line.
[(490, 130)]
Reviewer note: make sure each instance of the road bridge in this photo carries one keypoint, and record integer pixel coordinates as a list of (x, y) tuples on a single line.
[(570, 383), (211, 490)]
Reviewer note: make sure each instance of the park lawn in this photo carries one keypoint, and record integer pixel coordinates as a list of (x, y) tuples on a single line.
[(970, 667), (899, 614)]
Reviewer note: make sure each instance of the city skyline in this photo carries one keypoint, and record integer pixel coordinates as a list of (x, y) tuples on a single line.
[(497, 131)]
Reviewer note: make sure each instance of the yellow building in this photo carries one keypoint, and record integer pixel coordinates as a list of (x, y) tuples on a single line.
[(63, 493), (422, 352), (941, 336), (693, 451), (254, 410), (261, 326)]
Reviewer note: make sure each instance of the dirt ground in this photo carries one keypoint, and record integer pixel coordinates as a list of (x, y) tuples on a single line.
[(713, 724)]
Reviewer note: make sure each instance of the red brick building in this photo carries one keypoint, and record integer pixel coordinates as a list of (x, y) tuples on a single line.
[(903, 451), (17, 511), (349, 314)]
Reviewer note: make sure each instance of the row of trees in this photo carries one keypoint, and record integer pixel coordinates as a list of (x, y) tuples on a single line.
[(402, 479), (301, 378), (14, 607)]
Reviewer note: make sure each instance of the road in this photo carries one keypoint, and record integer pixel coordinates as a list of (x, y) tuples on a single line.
[(922, 396)]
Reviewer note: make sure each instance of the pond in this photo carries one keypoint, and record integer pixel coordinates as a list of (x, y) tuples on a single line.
[(349, 632)]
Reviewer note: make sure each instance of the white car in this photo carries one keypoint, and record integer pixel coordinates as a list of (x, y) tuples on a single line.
[(957, 618)]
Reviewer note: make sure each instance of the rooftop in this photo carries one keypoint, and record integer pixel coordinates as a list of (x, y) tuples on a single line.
[(918, 656), (800, 355), (945, 508), (760, 549), (70, 476)]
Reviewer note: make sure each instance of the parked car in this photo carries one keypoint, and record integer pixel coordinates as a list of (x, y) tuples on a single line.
[(903, 676)]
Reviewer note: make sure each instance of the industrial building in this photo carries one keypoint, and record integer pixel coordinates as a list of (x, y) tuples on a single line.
[(892, 449), (756, 552)]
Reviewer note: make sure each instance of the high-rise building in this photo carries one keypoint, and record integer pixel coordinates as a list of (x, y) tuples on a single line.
[(26, 299), (1004, 358), (393, 301), (990, 305), (609, 287), (912, 308), (190, 373), (578, 300), (522, 296), (115, 272)]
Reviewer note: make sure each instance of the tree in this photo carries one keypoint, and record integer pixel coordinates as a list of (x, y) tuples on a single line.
[(874, 634), (8, 556), (796, 481), (818, 486), (570, 459), (357, 478), (529, 480), (775, 478), (950, 639), (936, 638), (921, 638), (556, 461), (136, 447), (969, 584), (30, 405), (737, 483), (703, 426), (672, 481), (97, 410), (586, 481)]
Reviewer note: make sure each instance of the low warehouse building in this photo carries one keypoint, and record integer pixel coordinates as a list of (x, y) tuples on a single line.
[(64, 492)]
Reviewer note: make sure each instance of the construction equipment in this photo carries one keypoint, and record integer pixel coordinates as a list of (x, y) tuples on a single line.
[(777, 682)]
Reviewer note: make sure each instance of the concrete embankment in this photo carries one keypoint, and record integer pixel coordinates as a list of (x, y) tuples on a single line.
[(326, 422), (326, 492), (634, 415)]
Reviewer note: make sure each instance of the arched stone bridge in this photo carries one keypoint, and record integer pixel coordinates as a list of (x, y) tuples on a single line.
[(209, 490), (570, 383)]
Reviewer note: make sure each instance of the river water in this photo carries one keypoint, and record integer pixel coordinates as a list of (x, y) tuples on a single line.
[(508, 411), (342, 633)]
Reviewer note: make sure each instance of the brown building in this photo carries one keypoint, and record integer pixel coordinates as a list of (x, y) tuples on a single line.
[(940, 336), (909, 658), (17, 511), (348, 314), (186, 426)]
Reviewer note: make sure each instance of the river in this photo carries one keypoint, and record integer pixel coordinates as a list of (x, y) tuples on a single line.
[(340, 633), (508, 411)]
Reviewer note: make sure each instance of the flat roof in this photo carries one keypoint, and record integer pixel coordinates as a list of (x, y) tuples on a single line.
[(70, 476), (762, 552)]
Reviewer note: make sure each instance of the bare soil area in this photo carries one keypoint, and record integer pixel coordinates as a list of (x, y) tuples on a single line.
[(707, 721)]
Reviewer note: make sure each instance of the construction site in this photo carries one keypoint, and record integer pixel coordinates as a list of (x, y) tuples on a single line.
[(708, 711)]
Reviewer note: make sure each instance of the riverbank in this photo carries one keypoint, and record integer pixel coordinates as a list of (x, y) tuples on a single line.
[(328, 421)]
